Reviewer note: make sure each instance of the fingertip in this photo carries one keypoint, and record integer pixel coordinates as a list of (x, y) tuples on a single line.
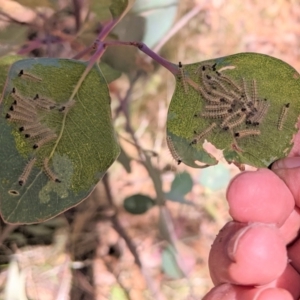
[(258, 255), (259, 196), (274, 294)]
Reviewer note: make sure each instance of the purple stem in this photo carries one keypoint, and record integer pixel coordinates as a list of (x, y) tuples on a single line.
[(142, 47)]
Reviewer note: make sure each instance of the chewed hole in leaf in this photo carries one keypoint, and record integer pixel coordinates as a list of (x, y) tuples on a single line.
[(13, 192)]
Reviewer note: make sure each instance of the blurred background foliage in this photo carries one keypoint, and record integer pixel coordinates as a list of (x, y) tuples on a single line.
[(121, 243)]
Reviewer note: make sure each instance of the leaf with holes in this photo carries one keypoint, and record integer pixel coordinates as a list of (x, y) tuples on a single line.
[(245, 104), (57, 139)]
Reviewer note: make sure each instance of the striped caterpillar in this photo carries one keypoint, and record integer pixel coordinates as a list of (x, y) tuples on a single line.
[(20, 99), (67, 106), (216, 114), (203, 133), (43, 103), (35, 132), (27, 170), (283, 116), (174, 154), (246, 132), (183, 78), (235, 123), (45, 139), (26, 75), (50, 174), (19, 118)]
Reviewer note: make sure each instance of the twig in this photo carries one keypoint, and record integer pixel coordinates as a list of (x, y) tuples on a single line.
[(179, 24), (118, 227)]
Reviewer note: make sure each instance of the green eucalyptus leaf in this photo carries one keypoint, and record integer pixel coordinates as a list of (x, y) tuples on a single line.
[(109, 73), (57, 139), (245, 104), (138, 204), (169, 263), (181, 185), (5, 63)]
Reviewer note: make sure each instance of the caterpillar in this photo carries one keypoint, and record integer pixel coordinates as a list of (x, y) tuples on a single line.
[(230, 81), (45, 139), (206, 95), (254, 93), (224, 96), (20, 100), (217, 114), (246, 94), (43, 103), (183, 78), (235, 94), (26, 172), (23, 110), (203, 133), (174, 154), (19, 118), (246, 132), (26, 75), (220, 106), (67, 106), (28, 126), (237, 113), (50, 174), (235, 123), (261, 113), (35, 132), (283, 116), (220, 84)]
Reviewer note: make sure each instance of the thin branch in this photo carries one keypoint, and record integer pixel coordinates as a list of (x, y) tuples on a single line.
[(179, 25), (118, 227), (144, 48)]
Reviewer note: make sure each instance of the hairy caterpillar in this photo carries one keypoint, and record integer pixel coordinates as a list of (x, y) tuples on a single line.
[(43, 103), (283, 116), (203, 133), (29, 126), (45, 139), (19, 118), (24, 176), (20, 99), (183, 78), (38, 131), (174, 154), (67, 106), (246, 132), (216, 114), (235, 123), (50, 174), (23, 110), (26, 75)]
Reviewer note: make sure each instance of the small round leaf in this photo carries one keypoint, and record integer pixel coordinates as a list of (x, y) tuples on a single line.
[(245, 104), (138, 204)]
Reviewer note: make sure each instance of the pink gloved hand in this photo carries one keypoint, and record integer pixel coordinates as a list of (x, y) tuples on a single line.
[(257, 255)]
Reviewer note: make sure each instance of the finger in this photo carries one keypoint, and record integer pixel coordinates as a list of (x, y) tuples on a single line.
[(290, 228), (247, 254), (291, 177), (232, 292), (293, 253), (259, 196), (289, 280), (296, 147)]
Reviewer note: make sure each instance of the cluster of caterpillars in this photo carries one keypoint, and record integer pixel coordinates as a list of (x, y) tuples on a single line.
[(24, 112), (232, 106)]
